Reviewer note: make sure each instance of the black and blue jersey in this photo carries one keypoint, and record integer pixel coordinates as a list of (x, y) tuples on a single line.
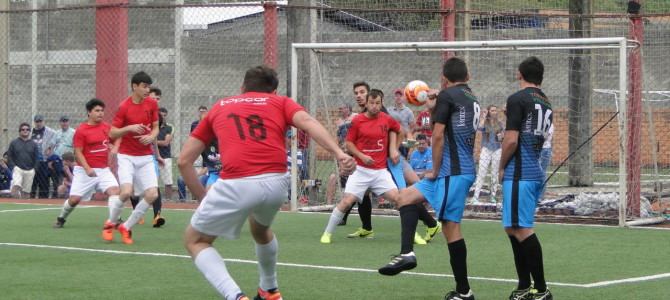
[(529, 112), (458, 109)]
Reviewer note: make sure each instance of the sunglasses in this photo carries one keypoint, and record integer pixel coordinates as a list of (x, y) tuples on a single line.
[(25, 129)]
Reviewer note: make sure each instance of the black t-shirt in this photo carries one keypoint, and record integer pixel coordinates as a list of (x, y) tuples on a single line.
[(165, 151)]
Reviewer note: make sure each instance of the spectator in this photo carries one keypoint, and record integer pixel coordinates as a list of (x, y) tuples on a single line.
[(545, 157), (405, 117), (45, 138), (68, 167), (202, 111), (165, 149), (343, 124), (55, 168), (422, 159), (492, 133), (63, 138), (5, 176), (423, 125), (23, 155)]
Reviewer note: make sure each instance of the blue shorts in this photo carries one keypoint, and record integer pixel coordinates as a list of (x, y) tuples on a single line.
[(447, 195), (212, 178), (397, 173), (519, 202)]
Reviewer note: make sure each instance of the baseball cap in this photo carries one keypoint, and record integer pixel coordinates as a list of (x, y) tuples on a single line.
[(397, 92), (38, 118), (64, 118)]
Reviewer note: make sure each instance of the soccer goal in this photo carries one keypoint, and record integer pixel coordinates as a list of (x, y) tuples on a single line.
[(588, 178)]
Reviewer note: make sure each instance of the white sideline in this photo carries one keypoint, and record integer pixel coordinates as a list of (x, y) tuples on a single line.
[(36, 209), (336, 268)]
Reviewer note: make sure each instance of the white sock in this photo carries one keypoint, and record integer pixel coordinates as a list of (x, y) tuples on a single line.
[(267, 263), (138, 213), (210, 264), (67, 209), (335, 219), (115, 208)]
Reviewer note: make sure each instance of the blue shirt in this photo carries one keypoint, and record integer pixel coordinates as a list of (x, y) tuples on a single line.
[(421, 161), (489, 139), (529, 112), (458, 109)]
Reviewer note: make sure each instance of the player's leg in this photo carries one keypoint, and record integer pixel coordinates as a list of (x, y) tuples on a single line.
[(146, 181), (336, 216), (68, 207), (83, 188), (158, 206)]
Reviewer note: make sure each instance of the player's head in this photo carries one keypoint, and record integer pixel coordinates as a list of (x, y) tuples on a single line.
[(422, 141), (361, 90), (96, 110), (140, 84), (373, 105), (24, 130), (155, 93), (531, 70), (262, 79), (455, 70)]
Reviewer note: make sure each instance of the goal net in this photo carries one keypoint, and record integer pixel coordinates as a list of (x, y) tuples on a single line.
[(587, 178)]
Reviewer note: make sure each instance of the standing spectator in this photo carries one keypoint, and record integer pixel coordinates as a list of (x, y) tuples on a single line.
[(63, 138), (423, 123), (23, 154), (165, 149), (45, 138), (422, 159), (405, 117), (202, 111), (545, 157), (343, 124), (492, 132)]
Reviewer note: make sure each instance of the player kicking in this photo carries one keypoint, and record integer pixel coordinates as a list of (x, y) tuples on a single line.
[(136, 124), (92, 173), (529, 117), (368, 140), (253, 182), (456, 119)]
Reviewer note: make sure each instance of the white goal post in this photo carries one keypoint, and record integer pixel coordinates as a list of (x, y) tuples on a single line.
[(620, 43)]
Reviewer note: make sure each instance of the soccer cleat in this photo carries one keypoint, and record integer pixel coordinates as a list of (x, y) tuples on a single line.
[(59, 222), (126, 235), (546, 295), (272, 294), (398, 264), (432, 231), (325, 238), (523, 294), (241, 296), (362, 233), (454, 295), (108, 231), (158, 221), (418, 239)]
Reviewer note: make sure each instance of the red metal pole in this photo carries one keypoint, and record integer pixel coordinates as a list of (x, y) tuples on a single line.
[(448, 27), (271, 56), (111, 63), (634, 106)]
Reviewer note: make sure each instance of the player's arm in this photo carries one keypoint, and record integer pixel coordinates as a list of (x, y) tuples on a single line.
[(81, 160), (394, 142), (437, 147), (304, 121), (151, 137), (189, 154), (511, 138)]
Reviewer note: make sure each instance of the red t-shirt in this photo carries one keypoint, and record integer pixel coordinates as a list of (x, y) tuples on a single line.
[(371, 136), (94, 142), (130, 113), (423, 119), (250, 129)]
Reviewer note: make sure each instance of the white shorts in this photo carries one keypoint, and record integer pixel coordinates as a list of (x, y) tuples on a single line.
[(378, 181), (140, 171), (166, 171), (23, 178), (229, 203), (85, 186)]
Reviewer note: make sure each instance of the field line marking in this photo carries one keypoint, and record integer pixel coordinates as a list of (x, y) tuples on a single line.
[(627, 280), (320, 267), (35, 209)]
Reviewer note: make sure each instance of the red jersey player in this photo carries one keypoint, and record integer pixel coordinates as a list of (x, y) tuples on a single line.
[(136, 124), (368, 140), (92, 173), (253, 182)]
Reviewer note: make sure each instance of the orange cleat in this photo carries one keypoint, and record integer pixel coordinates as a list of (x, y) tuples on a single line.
[(272, 294), (108, 231), (126, 235)]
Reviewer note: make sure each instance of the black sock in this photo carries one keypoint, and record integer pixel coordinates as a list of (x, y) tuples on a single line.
[(425, 216), (532, 252), (409, 217), (134, 200), (346, 213), (365, 212), (458, 254), (158, 204), (521, 268)]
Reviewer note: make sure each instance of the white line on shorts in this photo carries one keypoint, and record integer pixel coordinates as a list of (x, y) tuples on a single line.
[(336, 268)]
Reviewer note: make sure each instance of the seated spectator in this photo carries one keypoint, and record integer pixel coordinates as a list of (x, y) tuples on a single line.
[(55, 173), (421, 160), (203, 175), (68, 167), (5, 176)]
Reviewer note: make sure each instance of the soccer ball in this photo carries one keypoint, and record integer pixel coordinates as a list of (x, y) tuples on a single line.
[(416, 92)]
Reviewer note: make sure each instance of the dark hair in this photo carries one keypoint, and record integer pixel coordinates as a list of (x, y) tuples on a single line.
[(362, 83), (532, 70), (163, 109), (374, 93), (141, 77), (455, 70), (260, 79), (156, 91), (202, 107), (24, 124), (420, 137), (91, 104), (68, 156)]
